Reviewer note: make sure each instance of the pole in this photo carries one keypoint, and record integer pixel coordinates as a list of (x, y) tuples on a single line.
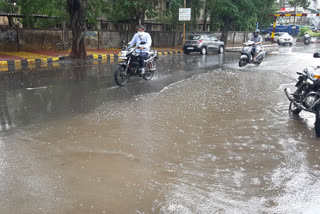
[(184, 24), (274, 29)]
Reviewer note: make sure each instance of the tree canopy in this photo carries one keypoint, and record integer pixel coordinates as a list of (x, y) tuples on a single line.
[(239, 14)]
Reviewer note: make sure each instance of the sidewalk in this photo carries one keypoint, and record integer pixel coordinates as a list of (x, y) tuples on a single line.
[(28, 58), (42, 55)]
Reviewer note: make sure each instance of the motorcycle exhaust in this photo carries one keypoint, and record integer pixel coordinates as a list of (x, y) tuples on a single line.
[(299, 105)]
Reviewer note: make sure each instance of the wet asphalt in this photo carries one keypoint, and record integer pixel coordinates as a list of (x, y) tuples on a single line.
[(203, 136)]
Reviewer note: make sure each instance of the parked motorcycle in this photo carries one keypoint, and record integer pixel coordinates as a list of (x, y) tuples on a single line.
[(307, 39), (247, 55), (307, 95), (130, 65)]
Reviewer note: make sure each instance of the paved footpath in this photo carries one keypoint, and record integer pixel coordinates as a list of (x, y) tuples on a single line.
[(16, 59)]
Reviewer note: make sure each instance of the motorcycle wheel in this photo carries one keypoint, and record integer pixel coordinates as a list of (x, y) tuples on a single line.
[(317, 123), (120, 77), (242, 63), (149, 72), (294, 109)]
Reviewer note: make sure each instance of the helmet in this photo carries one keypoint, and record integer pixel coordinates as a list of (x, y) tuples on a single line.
[(140, 27), (256, 32)]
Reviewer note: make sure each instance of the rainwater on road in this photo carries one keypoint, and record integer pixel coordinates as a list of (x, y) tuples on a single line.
[(203, 136)]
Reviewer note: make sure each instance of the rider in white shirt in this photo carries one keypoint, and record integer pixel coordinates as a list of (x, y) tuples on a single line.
[(142, 40)]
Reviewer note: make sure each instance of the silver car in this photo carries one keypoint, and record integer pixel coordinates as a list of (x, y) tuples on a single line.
[(203, 43)]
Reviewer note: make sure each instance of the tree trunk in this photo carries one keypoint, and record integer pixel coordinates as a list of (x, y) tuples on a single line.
[(10, 20), (205, 17), (77, 10), (225, 30)]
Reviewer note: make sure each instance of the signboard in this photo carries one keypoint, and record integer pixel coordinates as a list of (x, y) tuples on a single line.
[(311, 15), (184, 14)]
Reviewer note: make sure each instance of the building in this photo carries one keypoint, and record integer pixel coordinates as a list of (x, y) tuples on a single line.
[(286, 8)]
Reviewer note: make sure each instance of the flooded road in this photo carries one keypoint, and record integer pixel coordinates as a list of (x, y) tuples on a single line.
[(203, 136)]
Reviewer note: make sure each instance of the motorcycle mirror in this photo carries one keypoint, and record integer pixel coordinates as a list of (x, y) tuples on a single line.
[(316, 55), (123, 42)]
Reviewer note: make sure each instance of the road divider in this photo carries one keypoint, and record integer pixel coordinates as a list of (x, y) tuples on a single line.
[(106, 56), (10, 65)]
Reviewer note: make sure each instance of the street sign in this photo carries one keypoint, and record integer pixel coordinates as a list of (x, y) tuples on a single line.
[(311, 15), (184, 14)]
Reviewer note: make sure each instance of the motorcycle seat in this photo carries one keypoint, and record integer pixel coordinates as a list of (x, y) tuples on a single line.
[(150, 53)]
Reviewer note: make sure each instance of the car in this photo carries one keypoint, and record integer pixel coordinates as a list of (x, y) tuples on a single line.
[(284, 39), (277, 35), (203, 43)]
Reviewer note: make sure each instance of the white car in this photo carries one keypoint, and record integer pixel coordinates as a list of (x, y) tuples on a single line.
[(277, 35), (284, 39)]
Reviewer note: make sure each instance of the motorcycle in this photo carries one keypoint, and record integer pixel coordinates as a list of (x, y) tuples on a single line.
[(130, 66), (307, 95), (247, 55), (307, 39)]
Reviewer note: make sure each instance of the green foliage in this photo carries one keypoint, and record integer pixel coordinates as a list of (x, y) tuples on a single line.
[(263, 9), (136, 10), (239, 14), (96, 9), (299, 3), (7, 6), (43, 7), (304, 30)]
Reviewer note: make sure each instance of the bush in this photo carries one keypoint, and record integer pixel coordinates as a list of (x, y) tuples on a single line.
[(304, 30)]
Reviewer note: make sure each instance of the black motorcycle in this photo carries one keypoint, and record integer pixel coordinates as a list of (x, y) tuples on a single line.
[(307, 95), (130, 65)]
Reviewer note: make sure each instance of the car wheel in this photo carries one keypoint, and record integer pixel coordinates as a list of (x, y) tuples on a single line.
[(203, 51), (221, 50)]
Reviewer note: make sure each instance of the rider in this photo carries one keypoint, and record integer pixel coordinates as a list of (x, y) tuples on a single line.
[(306, 36), (257, 39), (145, 39)]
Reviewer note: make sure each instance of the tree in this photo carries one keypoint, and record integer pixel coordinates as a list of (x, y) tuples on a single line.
[(136, 10), (52, 8), (77, 10), (263, 9), (8, 7), (230, 12), (298, 3), (205, 15)]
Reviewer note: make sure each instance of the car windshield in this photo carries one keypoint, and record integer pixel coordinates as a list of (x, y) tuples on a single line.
[(284, 35), (194, 37)]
